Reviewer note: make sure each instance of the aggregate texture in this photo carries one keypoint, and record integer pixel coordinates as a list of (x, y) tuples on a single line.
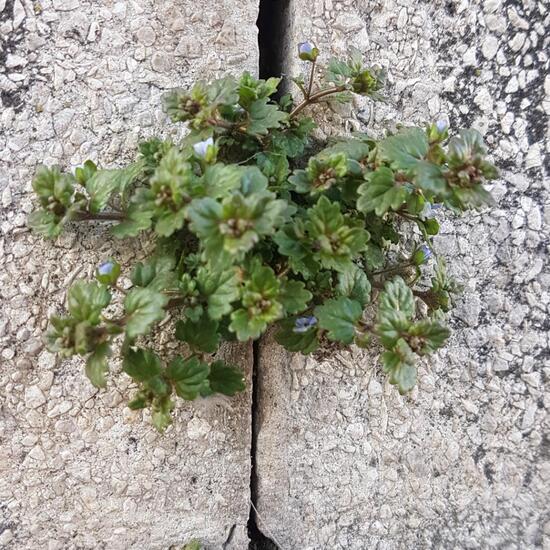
[(344, 461), (78, 469)]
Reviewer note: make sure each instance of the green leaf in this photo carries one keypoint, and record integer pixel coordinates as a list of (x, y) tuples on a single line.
[(405, 149), (263, 117), (294, 296), (220, 180), (304, 342), (429, 178), (337, 72), (45, 223), (141, 364), (206, 216), (399, 364), (397, 296), (339, 317), (352, 148), (169, 222), (223, 91), (225, 379), (161, 409), (51, 185), (104, 183), (158, 273), (143, 307), (374, 257), (230, 229), (97, 366), (465, 147), (86, 301), (292, 141), (274, 167), (101, 187), (139, 401), (391, 326), (172, 187), (427, 336), (381, 192), (221, 289), (201, 335), (321, 174), (260, 302), (292, 242), (336, 239), (138, 219), (188, 376), (251, 89), (354, 284), (84, 173)]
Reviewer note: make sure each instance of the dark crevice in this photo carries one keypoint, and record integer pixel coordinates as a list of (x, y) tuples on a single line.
[(273, 26), (258, 540), (229, 536)]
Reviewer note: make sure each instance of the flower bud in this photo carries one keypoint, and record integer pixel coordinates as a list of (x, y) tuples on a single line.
[(365, 83), (438, 132), (307, 51), (108, 272), (421, 255)]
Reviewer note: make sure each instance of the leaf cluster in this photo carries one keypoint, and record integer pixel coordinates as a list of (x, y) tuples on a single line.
[(254, 230)]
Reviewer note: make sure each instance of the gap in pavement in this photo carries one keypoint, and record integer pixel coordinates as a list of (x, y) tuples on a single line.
[(273, 24)]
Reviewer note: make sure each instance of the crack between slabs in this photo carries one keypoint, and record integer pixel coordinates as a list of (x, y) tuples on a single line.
[(273, 25)]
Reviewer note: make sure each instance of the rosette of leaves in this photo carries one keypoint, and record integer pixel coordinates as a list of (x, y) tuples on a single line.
[(253, 230)]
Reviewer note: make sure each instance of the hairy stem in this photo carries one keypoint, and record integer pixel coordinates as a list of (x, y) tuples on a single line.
[(392, 269), (100, 216), (311, 76), (314, 98)]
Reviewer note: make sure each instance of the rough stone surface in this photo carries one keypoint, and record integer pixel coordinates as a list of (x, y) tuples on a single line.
[(77, 469), (464, 460)]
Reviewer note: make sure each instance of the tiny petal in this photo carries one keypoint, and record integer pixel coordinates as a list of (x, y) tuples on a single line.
[(305, 47), (421, 255), (106, 268), (201, 147), (441, 126), (303, 324), (426, 251)]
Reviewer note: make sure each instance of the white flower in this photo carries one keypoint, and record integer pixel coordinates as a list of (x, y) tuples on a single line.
[(201, 147)]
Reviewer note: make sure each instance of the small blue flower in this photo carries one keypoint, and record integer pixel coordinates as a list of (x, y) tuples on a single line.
[(441, 126), (426, 251), (106, 268), (201, 147), (428, 212), (303, 324), (421, 255)]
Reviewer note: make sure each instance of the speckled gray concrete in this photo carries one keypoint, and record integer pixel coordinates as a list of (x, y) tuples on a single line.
[(344, 462), (77, 469)]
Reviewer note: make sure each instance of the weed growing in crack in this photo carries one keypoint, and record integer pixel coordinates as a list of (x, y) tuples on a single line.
[(254, 230)]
